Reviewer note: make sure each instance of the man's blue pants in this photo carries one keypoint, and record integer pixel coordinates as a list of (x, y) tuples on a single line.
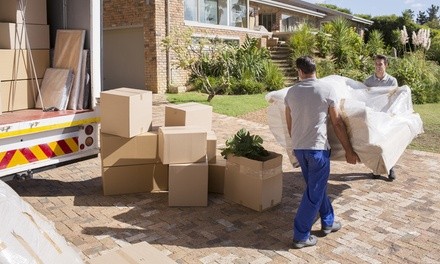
[(315, 167)]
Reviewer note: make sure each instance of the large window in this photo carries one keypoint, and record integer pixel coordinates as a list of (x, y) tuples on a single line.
[(217, 12)]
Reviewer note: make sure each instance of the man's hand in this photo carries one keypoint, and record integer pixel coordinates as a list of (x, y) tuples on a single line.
[(351, 157)]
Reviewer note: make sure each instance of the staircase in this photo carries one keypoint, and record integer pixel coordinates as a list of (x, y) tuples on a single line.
[(280, 55)]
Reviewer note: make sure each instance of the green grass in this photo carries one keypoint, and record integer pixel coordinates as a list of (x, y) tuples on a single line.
[(236, 105), (230, 105), (430, 140)]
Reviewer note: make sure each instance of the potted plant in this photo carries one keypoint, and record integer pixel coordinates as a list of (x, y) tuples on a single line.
[(253, 175)]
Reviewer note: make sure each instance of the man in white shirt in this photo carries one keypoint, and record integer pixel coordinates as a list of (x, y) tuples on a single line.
[(381, 78)]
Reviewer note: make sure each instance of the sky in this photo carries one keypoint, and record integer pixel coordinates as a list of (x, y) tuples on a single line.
[(381, 7)]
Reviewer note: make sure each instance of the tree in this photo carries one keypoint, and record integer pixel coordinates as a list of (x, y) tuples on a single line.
[(432, 12), (343, 10), (422, 18)]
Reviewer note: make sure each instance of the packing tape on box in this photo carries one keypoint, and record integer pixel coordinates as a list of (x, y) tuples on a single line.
[(265, 174)]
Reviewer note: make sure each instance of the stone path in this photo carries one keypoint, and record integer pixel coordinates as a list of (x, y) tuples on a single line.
[(383, 222)]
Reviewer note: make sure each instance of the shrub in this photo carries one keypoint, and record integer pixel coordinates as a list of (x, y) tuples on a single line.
[(245, 85), (302, 42), (273, 78), (419, 74)]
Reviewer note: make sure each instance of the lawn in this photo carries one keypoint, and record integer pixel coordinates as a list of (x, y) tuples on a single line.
[(236, 105), (430, 140), (230, 105)]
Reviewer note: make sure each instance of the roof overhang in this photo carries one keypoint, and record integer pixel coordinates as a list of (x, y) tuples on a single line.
[(289, 7)]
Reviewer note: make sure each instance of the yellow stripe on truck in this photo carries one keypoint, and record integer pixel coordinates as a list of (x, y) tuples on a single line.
[(49, 127)]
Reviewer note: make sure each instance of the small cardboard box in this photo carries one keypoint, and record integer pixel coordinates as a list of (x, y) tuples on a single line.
[(18, 95), (121, 151), (216, 178), (13, 36), (141, 253), (189, 114), (211, 146), (134, 178), (36, 12), (16, 63), (254, 184), (126, 112), (182, 144), (188, 184)]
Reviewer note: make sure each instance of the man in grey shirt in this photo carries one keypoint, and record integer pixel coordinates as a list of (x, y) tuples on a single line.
[(310, 104), (381, 78)]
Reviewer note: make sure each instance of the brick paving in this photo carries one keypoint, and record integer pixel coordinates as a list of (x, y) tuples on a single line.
[(383, 222)]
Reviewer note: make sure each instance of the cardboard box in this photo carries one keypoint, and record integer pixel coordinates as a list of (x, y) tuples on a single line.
[(211, 146), (15, 64), (254, 184), (134, 178), (142, 253), (189, 114), (121, 151), (182, 144), (188, 184), (126, 112), (216, 175), (13, 36), (18, 95), (36, 12)]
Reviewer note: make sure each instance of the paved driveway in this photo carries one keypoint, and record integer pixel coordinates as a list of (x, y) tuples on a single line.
[(383, 222)]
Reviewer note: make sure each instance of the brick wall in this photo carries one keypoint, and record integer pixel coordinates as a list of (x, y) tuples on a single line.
[(152, 15), (122, 13)]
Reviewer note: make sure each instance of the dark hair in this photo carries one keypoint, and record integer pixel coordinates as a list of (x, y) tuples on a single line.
[(381, 57), (306, 64)]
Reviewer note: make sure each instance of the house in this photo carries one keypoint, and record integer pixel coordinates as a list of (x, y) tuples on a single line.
[(134, 30)]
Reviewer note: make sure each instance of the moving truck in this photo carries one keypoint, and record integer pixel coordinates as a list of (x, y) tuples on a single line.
[(33, 139)]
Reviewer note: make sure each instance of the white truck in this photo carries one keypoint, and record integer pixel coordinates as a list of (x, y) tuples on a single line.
[(32, 139)]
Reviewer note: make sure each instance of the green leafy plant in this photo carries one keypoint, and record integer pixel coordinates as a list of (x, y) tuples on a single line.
[(243, 144)]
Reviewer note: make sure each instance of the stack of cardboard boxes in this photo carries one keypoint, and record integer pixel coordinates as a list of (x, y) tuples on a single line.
[(174, 158), (189, 145), (130, 163), (24, 41)]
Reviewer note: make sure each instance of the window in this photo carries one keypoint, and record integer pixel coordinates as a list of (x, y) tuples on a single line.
[(217, 12)]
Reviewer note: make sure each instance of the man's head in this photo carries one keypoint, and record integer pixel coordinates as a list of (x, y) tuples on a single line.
[(306, 67), (380, 65)]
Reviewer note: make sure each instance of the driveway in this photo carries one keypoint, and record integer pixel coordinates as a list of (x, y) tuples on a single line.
[(392, 222)]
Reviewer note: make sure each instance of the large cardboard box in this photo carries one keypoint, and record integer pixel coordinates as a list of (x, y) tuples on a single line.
[(36, 11), (254, 184), (216, 175), (126, 112), (211, 146), (18, 95), (182, 144), (150, 177), (141, 253), (188, 184), (16, 36), (16, 65), (189, 114), (121, 151)]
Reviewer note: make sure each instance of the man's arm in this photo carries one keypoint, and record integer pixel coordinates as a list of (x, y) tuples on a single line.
[(288, 121), (341, 133)]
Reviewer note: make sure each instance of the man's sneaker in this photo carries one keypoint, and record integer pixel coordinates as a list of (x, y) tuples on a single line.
[(311, 241), (335, 227), (391, 175), (375, 176)]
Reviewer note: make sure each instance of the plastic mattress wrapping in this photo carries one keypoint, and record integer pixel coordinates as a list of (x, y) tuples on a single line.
[(26, 236), (380, 122)]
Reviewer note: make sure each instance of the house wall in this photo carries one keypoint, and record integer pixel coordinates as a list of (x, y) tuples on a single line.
[(151, 14)]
